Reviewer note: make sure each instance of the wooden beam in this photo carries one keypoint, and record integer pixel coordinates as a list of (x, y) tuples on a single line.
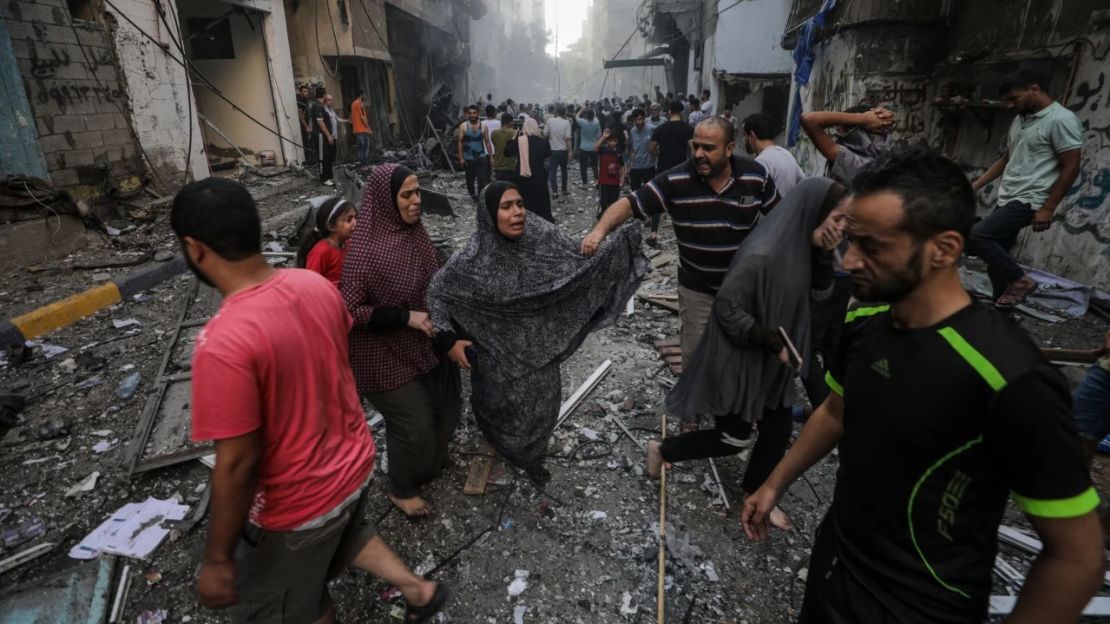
[(477, 475)]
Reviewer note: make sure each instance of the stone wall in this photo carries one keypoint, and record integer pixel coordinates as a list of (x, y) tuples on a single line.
[(80, 108), (907, 67)]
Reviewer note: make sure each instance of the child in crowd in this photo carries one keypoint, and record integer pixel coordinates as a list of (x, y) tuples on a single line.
[(324, 246), (610, 169)]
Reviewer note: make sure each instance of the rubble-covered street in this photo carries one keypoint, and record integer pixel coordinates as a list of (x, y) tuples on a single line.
[(584, 550)]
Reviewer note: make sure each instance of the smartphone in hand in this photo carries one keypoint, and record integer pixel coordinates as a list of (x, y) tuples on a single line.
[(791, 350)]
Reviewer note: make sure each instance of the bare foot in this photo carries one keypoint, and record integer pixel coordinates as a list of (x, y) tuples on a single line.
[(654, 459), (414, 507), (780, 521)]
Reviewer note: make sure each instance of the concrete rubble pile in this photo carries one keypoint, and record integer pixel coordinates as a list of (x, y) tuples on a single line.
[(582, 550)]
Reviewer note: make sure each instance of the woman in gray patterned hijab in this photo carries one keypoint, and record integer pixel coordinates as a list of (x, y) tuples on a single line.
[(514, 303)]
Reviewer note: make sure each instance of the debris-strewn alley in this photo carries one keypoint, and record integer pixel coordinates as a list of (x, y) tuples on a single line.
[(581, 550), (824, 286)]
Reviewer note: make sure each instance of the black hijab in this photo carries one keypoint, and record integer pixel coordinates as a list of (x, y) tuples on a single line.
[(492, 198)]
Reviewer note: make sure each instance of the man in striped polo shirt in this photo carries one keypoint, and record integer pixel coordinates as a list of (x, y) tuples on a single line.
[(941, 409), (714, 199)]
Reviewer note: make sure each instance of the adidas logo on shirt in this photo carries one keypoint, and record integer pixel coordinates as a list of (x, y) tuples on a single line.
[(881, 367)]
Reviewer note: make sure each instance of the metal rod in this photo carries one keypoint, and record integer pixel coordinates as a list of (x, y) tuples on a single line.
[(660, 613), (720, 486)]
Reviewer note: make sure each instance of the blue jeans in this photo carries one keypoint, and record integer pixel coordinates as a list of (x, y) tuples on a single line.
[(993, 237), (1091, 405), (558, 159), (363, 139)]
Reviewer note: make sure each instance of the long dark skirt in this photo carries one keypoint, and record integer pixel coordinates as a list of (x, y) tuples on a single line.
[(518, 416), (420, 420), (535, 194)]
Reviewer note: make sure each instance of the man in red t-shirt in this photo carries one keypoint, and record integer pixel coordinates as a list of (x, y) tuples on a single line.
[(360, 126), (272, 386)]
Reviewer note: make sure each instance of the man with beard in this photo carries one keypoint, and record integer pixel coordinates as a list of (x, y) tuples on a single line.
[(714, 200), (1040, 164), (294, 457), (941, 409)]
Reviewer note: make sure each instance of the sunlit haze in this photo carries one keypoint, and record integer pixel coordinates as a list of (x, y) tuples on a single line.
[(564, 20)]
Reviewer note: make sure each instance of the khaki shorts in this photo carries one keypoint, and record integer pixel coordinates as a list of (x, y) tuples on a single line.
[(281, 576), (694, 309)]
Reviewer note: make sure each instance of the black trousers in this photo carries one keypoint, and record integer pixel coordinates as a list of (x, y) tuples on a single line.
[(477, 171), (607, 194), (558, 160), (327, 157), (638, 178), (827, 325), (774, 433), (833, 594), (587, 161), (311, 153), (993, 237)]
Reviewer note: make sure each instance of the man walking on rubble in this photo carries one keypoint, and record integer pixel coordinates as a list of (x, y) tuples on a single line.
[(941, 409), (294, 456), (1040, 164), (714, 201), (474, 149)]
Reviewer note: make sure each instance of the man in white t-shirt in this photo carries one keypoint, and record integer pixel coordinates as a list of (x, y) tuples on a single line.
[(759, 132), (491, 122), (557, 131)]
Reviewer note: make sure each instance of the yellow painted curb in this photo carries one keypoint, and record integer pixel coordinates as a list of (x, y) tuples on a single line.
[(66, 311)]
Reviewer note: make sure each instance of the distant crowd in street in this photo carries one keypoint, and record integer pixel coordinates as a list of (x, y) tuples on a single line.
[(940, 409)]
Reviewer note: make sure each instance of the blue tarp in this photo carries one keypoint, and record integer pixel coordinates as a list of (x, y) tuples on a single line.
[(803, 66)]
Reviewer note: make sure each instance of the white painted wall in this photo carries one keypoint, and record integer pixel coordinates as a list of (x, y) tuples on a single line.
[(159, 91), (748, 38)]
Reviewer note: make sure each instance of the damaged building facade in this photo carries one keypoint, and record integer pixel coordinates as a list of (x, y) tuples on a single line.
[(104, 97), (938, 66), (407, 57), (734, 49), (101, 103)]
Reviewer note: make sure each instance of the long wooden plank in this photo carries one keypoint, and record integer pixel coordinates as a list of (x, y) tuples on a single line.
[(669, 342), (662, 303), (477, 475)]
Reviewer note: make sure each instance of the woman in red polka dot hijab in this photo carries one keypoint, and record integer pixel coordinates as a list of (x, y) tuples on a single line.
[(390, 261)]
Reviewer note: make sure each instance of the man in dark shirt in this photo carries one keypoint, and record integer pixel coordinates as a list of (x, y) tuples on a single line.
[(941, 410), (321, 130), (670, 142), (714, 199), (670, 145)]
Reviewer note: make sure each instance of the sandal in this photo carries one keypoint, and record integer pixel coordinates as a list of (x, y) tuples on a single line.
[(425, 613), (1017, 292)]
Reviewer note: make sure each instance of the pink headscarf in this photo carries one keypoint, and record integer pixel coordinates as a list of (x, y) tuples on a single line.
[(531, 128)]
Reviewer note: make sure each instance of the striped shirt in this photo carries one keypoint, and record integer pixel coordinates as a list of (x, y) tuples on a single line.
[(709, 226)]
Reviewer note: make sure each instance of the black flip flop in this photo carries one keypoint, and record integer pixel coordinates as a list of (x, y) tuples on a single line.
[(417, 615)]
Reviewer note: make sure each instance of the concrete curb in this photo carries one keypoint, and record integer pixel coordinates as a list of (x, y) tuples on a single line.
[(66, 311)]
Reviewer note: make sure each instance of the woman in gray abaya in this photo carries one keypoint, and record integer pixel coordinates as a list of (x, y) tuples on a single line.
[(517, 301), (739, 372)]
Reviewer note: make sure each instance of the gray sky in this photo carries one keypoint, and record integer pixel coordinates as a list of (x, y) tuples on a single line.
[(565, 18)]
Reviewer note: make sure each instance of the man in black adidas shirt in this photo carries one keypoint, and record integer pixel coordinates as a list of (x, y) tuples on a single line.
[(941, 409)]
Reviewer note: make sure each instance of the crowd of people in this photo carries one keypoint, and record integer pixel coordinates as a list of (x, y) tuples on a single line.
[(846, 282)]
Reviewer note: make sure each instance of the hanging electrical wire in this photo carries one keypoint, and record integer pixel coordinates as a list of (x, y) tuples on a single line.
[(188, 65)]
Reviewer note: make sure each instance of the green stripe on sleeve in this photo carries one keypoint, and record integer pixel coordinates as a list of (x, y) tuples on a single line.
[(834, 385), (1061, 507), (981, 364), (861, 312)]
